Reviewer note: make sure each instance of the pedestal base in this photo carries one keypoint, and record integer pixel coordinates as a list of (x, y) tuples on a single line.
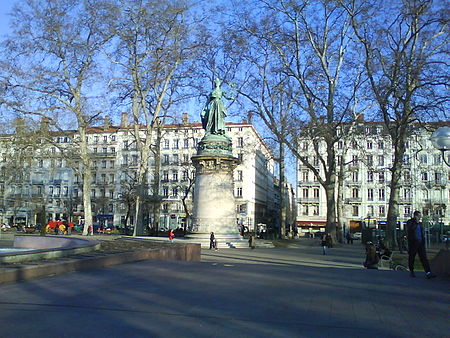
[(214, 203), (223, 240)]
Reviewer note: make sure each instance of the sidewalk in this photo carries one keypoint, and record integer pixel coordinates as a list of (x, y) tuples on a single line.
[(293, 292)]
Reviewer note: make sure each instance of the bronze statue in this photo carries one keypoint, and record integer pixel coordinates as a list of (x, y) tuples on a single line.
[(213, 115)]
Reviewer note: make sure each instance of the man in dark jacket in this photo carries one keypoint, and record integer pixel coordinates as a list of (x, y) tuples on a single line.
[(416, 244)]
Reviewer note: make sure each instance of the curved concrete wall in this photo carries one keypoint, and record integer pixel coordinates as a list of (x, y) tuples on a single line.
[(47, 248), (47, 242)]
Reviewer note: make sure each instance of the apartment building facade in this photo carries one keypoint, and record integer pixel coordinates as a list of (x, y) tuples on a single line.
[(366, 156), (52, 178)]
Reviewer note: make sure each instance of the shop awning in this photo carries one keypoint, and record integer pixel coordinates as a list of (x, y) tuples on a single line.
[(311, 223)]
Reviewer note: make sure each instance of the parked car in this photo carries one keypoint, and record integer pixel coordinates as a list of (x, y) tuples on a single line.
[(357, 235)]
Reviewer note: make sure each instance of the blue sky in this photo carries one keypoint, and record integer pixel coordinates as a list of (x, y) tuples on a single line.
[(5, 8)]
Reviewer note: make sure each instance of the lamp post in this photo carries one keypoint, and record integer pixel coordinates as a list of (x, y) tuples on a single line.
[(441, 141)]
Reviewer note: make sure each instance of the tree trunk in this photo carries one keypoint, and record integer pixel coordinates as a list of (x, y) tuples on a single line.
[(282, 193), (87, 177)]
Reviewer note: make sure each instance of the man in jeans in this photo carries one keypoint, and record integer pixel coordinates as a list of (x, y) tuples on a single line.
[(416, 244)]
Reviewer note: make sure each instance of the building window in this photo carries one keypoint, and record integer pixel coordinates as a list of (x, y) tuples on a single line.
[(438, 178), (186, 143), (185, 175), (406, 159), (381, 177), (407, 193), (239, 192), (176, 143), (380, 145), (315, 210), (370, 194), (381, 194), (370, 210), (315, 161), (382, 210), (316, 193), (305, 146), (370, 176), (241, 157), (340, 145), (380, 160), (111, 164), (175, 176), (355, 176), (175, 192), (305, 210), (369, 160), (166, 144), (305, 193), (355, 159), (305, 176), (407, 176), (165, 159), (355, 210), (240, 142), (424, 176), (166, 191), (406, 211), (423, 158), (240, 175), (355, 193), (165, 175), (111, 178), (369, 145)]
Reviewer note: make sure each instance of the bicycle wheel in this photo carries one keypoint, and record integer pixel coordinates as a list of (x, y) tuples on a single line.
[(400, 268)]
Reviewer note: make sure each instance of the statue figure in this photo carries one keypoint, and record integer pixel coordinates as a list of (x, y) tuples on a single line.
[(213, 115)]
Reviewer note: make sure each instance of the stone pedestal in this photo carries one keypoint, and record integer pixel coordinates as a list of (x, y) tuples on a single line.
[(214, 203), (214, 207)]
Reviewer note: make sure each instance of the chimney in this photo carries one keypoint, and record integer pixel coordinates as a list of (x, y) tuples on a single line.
[(124, 120), (107, 122), (45, 122), (249, 117), (19, 124), (185, 118)]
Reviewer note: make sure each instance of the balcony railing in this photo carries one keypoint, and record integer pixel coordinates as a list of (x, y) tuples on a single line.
[(353, 200)]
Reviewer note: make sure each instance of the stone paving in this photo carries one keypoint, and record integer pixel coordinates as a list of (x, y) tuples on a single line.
[(290, 292)]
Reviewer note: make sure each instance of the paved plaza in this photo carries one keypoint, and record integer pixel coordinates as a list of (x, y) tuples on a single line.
[(266, 292)]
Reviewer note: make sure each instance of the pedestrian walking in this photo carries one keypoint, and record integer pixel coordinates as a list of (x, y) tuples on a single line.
[(252, 240), (416, 244), (171, 235), (212, 241), (349, 238), (324, 243), (329, 240)]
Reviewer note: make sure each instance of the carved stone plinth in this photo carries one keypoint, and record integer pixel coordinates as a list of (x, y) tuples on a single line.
[(214, 205)]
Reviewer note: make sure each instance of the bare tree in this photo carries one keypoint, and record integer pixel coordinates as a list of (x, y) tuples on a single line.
[(155, 41), (302, 67), (405, 48), (51, 59)]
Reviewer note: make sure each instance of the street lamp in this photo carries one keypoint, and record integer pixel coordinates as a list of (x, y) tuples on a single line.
[(441, 141)]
